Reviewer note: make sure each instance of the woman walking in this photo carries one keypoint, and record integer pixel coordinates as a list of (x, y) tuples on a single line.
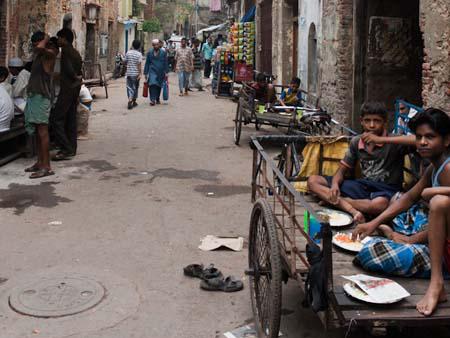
[(155, 71)]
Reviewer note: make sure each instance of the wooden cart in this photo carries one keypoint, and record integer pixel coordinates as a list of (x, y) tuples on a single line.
[(277, 242), (312, 120)]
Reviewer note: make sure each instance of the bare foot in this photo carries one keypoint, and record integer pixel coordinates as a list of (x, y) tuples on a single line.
[(386, 230), (435, 294)]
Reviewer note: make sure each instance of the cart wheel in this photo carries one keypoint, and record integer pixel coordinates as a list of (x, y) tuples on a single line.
[(265, 272), (238, 124)]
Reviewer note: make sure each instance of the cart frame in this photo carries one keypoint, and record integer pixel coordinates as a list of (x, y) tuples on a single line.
[(277, 243), (246, 113)]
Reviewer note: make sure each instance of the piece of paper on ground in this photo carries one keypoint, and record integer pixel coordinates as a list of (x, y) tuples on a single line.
[(247, 331), (211, 242)]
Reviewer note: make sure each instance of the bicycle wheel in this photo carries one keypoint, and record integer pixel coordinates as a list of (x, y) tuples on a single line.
[(265, 273), (238, 124)]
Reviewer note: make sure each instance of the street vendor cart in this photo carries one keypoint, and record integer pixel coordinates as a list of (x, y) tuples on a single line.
[(278, 250), (308, 120)]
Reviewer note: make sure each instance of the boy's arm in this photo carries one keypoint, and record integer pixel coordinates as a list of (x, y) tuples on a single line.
[(336, 182), (402, 204), (407, 140)]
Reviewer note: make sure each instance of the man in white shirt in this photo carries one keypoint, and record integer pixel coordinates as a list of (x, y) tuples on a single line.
[(4, 74), (19, 82), (6, 110)]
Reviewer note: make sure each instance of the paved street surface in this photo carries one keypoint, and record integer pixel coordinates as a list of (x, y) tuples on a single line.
[(129, 212)]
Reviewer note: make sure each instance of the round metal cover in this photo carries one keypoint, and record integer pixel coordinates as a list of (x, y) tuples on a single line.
[(56, 297)]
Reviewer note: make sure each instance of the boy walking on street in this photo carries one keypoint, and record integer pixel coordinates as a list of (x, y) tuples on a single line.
[(39, 102), (381, 165), (64, 119), (133, 62), (184, 60)]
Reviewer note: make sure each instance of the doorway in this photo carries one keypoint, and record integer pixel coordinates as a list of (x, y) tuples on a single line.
[(266, 37), (388, 53), (90, 43), (312, 59)]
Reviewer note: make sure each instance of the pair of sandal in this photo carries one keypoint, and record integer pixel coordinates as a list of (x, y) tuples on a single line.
[(212, 278), (38, 172)]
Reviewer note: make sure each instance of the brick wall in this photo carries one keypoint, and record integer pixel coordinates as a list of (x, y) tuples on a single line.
[(3, 32), (335, 58), (434, 23)]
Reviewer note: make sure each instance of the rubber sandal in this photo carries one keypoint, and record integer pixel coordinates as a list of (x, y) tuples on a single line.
[(42, 173), (229, 284), (32, 169), (62, 157), (198, 271)]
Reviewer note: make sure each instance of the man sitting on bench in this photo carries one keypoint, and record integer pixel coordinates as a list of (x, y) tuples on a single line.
[(6, 110), (381, 169)]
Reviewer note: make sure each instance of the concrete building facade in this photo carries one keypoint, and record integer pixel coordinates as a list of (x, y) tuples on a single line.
[(94, 24), (351, 51)]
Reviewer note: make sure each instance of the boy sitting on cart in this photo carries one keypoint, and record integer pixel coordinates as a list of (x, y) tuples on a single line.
[(432, 130), (293, 95), (264, 92), (381, 160)]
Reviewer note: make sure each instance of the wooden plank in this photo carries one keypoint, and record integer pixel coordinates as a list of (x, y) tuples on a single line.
[(407, 317), (346, 303)]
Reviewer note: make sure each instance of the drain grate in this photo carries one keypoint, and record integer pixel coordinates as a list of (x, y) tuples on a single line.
[(56, 297)]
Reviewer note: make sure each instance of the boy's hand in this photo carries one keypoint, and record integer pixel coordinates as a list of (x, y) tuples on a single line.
[(427, 194), (399, 238), (335, 193), (362, 230), (371, 138)]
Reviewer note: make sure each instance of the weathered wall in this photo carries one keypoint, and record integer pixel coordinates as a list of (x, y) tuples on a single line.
[(310, 11), (282, 16), (336, 50), (435, 25), (24, 17)]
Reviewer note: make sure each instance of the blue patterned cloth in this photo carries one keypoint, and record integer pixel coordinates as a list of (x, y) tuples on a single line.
[(407, 260)]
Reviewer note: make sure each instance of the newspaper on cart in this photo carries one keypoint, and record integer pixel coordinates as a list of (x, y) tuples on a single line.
[(380, 290)]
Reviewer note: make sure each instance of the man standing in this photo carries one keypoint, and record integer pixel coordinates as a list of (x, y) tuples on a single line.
[(184, 60), (207, 53), (155, 71), (133, 62), (198, 65), (39, 102), (64, 116)]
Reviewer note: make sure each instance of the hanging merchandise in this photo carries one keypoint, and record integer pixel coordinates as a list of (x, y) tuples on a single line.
[(242, 37)]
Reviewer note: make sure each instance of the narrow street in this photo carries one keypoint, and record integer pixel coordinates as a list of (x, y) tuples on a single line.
[(129, 212)]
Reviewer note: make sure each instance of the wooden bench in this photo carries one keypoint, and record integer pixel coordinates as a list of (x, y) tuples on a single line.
[(14, 142), (94, 77)]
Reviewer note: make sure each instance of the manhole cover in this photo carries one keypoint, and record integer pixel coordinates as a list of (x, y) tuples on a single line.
[(56, 297)]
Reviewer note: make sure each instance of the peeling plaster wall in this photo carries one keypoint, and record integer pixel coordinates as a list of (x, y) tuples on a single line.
[(310, 11), (24, 17), (435, 25)]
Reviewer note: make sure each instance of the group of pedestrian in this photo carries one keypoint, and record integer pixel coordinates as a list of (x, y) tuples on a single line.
[(49, 114), (190, 63)]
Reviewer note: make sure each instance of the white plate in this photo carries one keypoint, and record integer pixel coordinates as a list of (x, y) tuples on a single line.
[(337, 218), (354, 291), (352, 246)]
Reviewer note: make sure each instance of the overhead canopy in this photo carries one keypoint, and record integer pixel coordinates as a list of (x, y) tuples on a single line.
[(210, 29), (250, 15)]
